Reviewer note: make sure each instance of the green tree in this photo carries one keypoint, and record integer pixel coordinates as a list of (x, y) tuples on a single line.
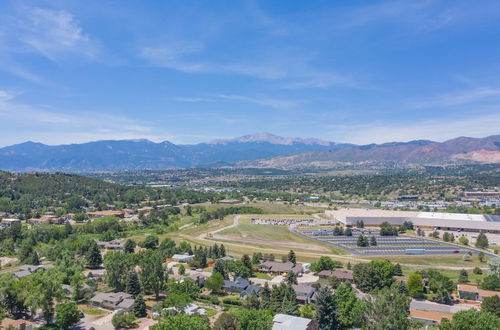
[(139, 307), (480, 256), (93, 256), (132, 285), (182, 270), (118, 266), (415, 286), (152, 274), (463, 277), (326, 310), (491, 304), (215, 282), (398, 271), (245, 259), (482, 241), (292, 257), (389, 309), (349, 308), (463, 240), (129, 246), (373, 241), (227, 321), (307, 311), (471, 319), (376, 274), (123, 320), (292, 277), (325, 263), (254, 319), (220, 268), (42, 290), (67, 315), (151, 242)]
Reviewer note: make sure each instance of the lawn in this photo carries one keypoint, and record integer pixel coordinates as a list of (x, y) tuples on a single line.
[(94, 311), (262, 276)]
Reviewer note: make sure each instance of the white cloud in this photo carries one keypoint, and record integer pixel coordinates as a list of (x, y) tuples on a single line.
[(440, 129), (47, 125), (51, 33), (268, 102), (459, 97)]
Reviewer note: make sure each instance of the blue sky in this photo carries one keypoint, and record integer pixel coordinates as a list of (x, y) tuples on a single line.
[(192, 71)]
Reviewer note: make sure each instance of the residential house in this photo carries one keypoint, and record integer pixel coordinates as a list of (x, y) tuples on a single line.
[(7, 323), (226, 258), (249, 290), (472, 292), (290, 322), (95, 274), (280, 268), (304, 293), (85, 291), (107, 213), (116, 244), (9, 222), (190, 309), (429, 318), (183, 258), (46, 219), (343, 275), (113, 300), (237, 285), (26, 270)]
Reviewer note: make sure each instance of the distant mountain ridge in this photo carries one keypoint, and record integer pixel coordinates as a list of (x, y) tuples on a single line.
[(485, 150), (116, 155), (257, 150)]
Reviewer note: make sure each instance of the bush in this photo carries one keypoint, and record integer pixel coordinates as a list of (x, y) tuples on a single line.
[(232, 301), (477, 271), (123, 320)]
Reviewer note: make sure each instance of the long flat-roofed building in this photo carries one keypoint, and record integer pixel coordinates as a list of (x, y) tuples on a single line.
[(424, 220)]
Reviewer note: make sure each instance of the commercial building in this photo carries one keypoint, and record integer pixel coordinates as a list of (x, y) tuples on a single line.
[(423, 220)]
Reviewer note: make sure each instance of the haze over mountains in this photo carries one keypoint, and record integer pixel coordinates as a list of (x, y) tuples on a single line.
[(257, 150)]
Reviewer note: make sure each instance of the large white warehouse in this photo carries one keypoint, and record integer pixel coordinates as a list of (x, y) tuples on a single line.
[(424, 220)]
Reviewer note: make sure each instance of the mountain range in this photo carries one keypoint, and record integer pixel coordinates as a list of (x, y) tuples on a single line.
[(257, 150)]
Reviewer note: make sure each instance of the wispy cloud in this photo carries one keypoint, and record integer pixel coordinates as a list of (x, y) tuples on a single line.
[(176, 57), (51, 126), (438, 129), (459, 97), (267, 102)]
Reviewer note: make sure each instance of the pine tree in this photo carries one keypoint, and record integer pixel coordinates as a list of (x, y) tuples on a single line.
[(397, 270), (94, 258), (246, 261), (349, 266), (35, 260), (215, 251), (292, 277), (220, 268), (222, 251), (265, 296), (129, 246), (289, 303), (482, 241), (139, 307), (292, 257), (326, 314), (463, 277), (133, 286)]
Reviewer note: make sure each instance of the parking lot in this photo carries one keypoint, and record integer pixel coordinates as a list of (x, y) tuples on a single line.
[(386, 245)]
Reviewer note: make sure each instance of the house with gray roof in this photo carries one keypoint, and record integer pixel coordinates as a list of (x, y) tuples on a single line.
[(290, 322), (113, 300), (280, 267)]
